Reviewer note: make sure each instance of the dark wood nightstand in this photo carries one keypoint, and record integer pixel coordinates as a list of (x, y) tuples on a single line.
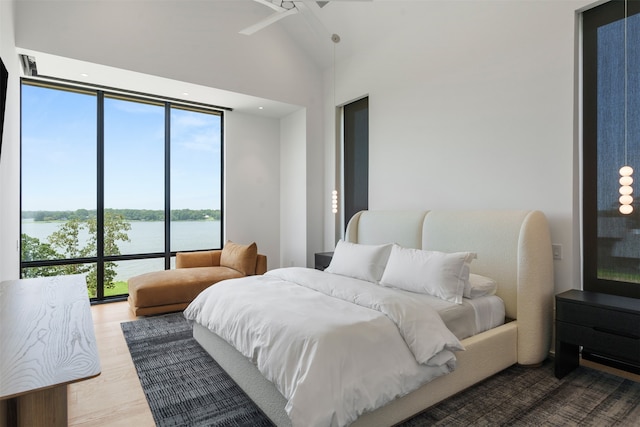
[(323, 259), (606, 326)]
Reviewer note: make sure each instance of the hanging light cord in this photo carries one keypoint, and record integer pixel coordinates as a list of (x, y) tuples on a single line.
[(335, 39)]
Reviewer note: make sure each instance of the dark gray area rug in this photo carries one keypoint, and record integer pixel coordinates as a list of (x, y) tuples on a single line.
[(186, 387), (183, 384)]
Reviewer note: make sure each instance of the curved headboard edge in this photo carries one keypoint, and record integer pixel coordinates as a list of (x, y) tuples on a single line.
[(535, 289), (351, 234)]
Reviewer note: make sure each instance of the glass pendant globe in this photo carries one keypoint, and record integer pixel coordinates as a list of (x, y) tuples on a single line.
[(626, 171), (625, 209), (626, 180), (625, 200), (626, 189)]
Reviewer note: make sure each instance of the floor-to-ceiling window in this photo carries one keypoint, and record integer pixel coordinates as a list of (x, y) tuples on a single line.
[(356, 157), (112, 185), (195, 182), (611, 139)]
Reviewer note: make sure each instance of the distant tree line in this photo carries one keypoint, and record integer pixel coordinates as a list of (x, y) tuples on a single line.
[(126, 214)]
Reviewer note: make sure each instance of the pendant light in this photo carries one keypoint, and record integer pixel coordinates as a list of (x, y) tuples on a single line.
[(626, 199), (335, 39)]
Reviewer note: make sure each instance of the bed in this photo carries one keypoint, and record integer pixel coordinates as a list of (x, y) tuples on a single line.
[(511, 247)]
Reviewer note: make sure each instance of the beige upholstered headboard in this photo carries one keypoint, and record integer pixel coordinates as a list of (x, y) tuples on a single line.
[(513, 247)]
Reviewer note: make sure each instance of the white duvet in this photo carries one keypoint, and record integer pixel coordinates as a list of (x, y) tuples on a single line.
[(335, 347)]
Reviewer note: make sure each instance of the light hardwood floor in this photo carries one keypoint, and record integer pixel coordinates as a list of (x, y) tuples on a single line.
[(115, 397)]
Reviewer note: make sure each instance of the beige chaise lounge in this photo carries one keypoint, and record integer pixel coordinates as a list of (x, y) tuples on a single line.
[(172, 290)]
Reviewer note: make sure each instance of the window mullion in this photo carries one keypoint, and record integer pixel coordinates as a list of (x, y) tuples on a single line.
[(167, 185), (100, 199)]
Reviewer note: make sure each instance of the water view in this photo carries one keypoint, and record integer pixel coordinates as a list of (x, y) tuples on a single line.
[(145, 237)]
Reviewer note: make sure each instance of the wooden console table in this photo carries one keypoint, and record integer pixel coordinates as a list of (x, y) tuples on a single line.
[(46, 342)]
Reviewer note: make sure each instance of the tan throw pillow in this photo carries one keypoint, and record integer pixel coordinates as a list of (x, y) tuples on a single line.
[(240, 257)]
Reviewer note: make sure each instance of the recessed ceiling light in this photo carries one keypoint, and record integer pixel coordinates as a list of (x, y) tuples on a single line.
[(260, 108), (84, 74), (185, 93)]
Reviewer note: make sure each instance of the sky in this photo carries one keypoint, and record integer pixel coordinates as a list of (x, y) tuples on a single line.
[(59, 153)]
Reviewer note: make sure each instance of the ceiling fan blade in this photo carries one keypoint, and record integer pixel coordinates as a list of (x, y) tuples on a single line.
[(274, 17), (271, 5), (308, 9)]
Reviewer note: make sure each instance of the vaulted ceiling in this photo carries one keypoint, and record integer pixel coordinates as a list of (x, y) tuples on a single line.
[(194, 41)]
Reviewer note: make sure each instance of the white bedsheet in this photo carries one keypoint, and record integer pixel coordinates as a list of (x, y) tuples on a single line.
[(471, 317), (335, 347)]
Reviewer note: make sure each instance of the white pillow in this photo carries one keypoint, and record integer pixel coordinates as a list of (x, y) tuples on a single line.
[(480, 286), (440, 274), (365, 262)]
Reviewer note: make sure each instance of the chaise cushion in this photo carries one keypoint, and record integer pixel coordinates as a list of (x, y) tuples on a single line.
[(198, 259), (174, 287), (240, 257)]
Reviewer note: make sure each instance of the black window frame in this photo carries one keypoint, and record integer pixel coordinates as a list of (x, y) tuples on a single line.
[(356, 157), (168, 104), (592, 19)]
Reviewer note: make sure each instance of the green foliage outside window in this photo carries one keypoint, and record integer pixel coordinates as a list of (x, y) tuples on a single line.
[(64, 243)]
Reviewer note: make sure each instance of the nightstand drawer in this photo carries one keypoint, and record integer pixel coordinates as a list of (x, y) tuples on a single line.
[(607, 327), (604, 342), (618, 322)]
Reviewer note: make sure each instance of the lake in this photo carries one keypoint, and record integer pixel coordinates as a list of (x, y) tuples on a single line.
[(145, 236)]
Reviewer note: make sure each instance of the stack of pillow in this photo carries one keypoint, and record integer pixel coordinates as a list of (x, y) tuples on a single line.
[(443, 275)]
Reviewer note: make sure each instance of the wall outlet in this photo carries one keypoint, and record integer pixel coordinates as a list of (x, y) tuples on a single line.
[(556, 249)]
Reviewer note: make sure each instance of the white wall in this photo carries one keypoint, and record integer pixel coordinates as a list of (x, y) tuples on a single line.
[(10, 156), (471, 106), (315, 173), (252, 186), (293, 180)]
